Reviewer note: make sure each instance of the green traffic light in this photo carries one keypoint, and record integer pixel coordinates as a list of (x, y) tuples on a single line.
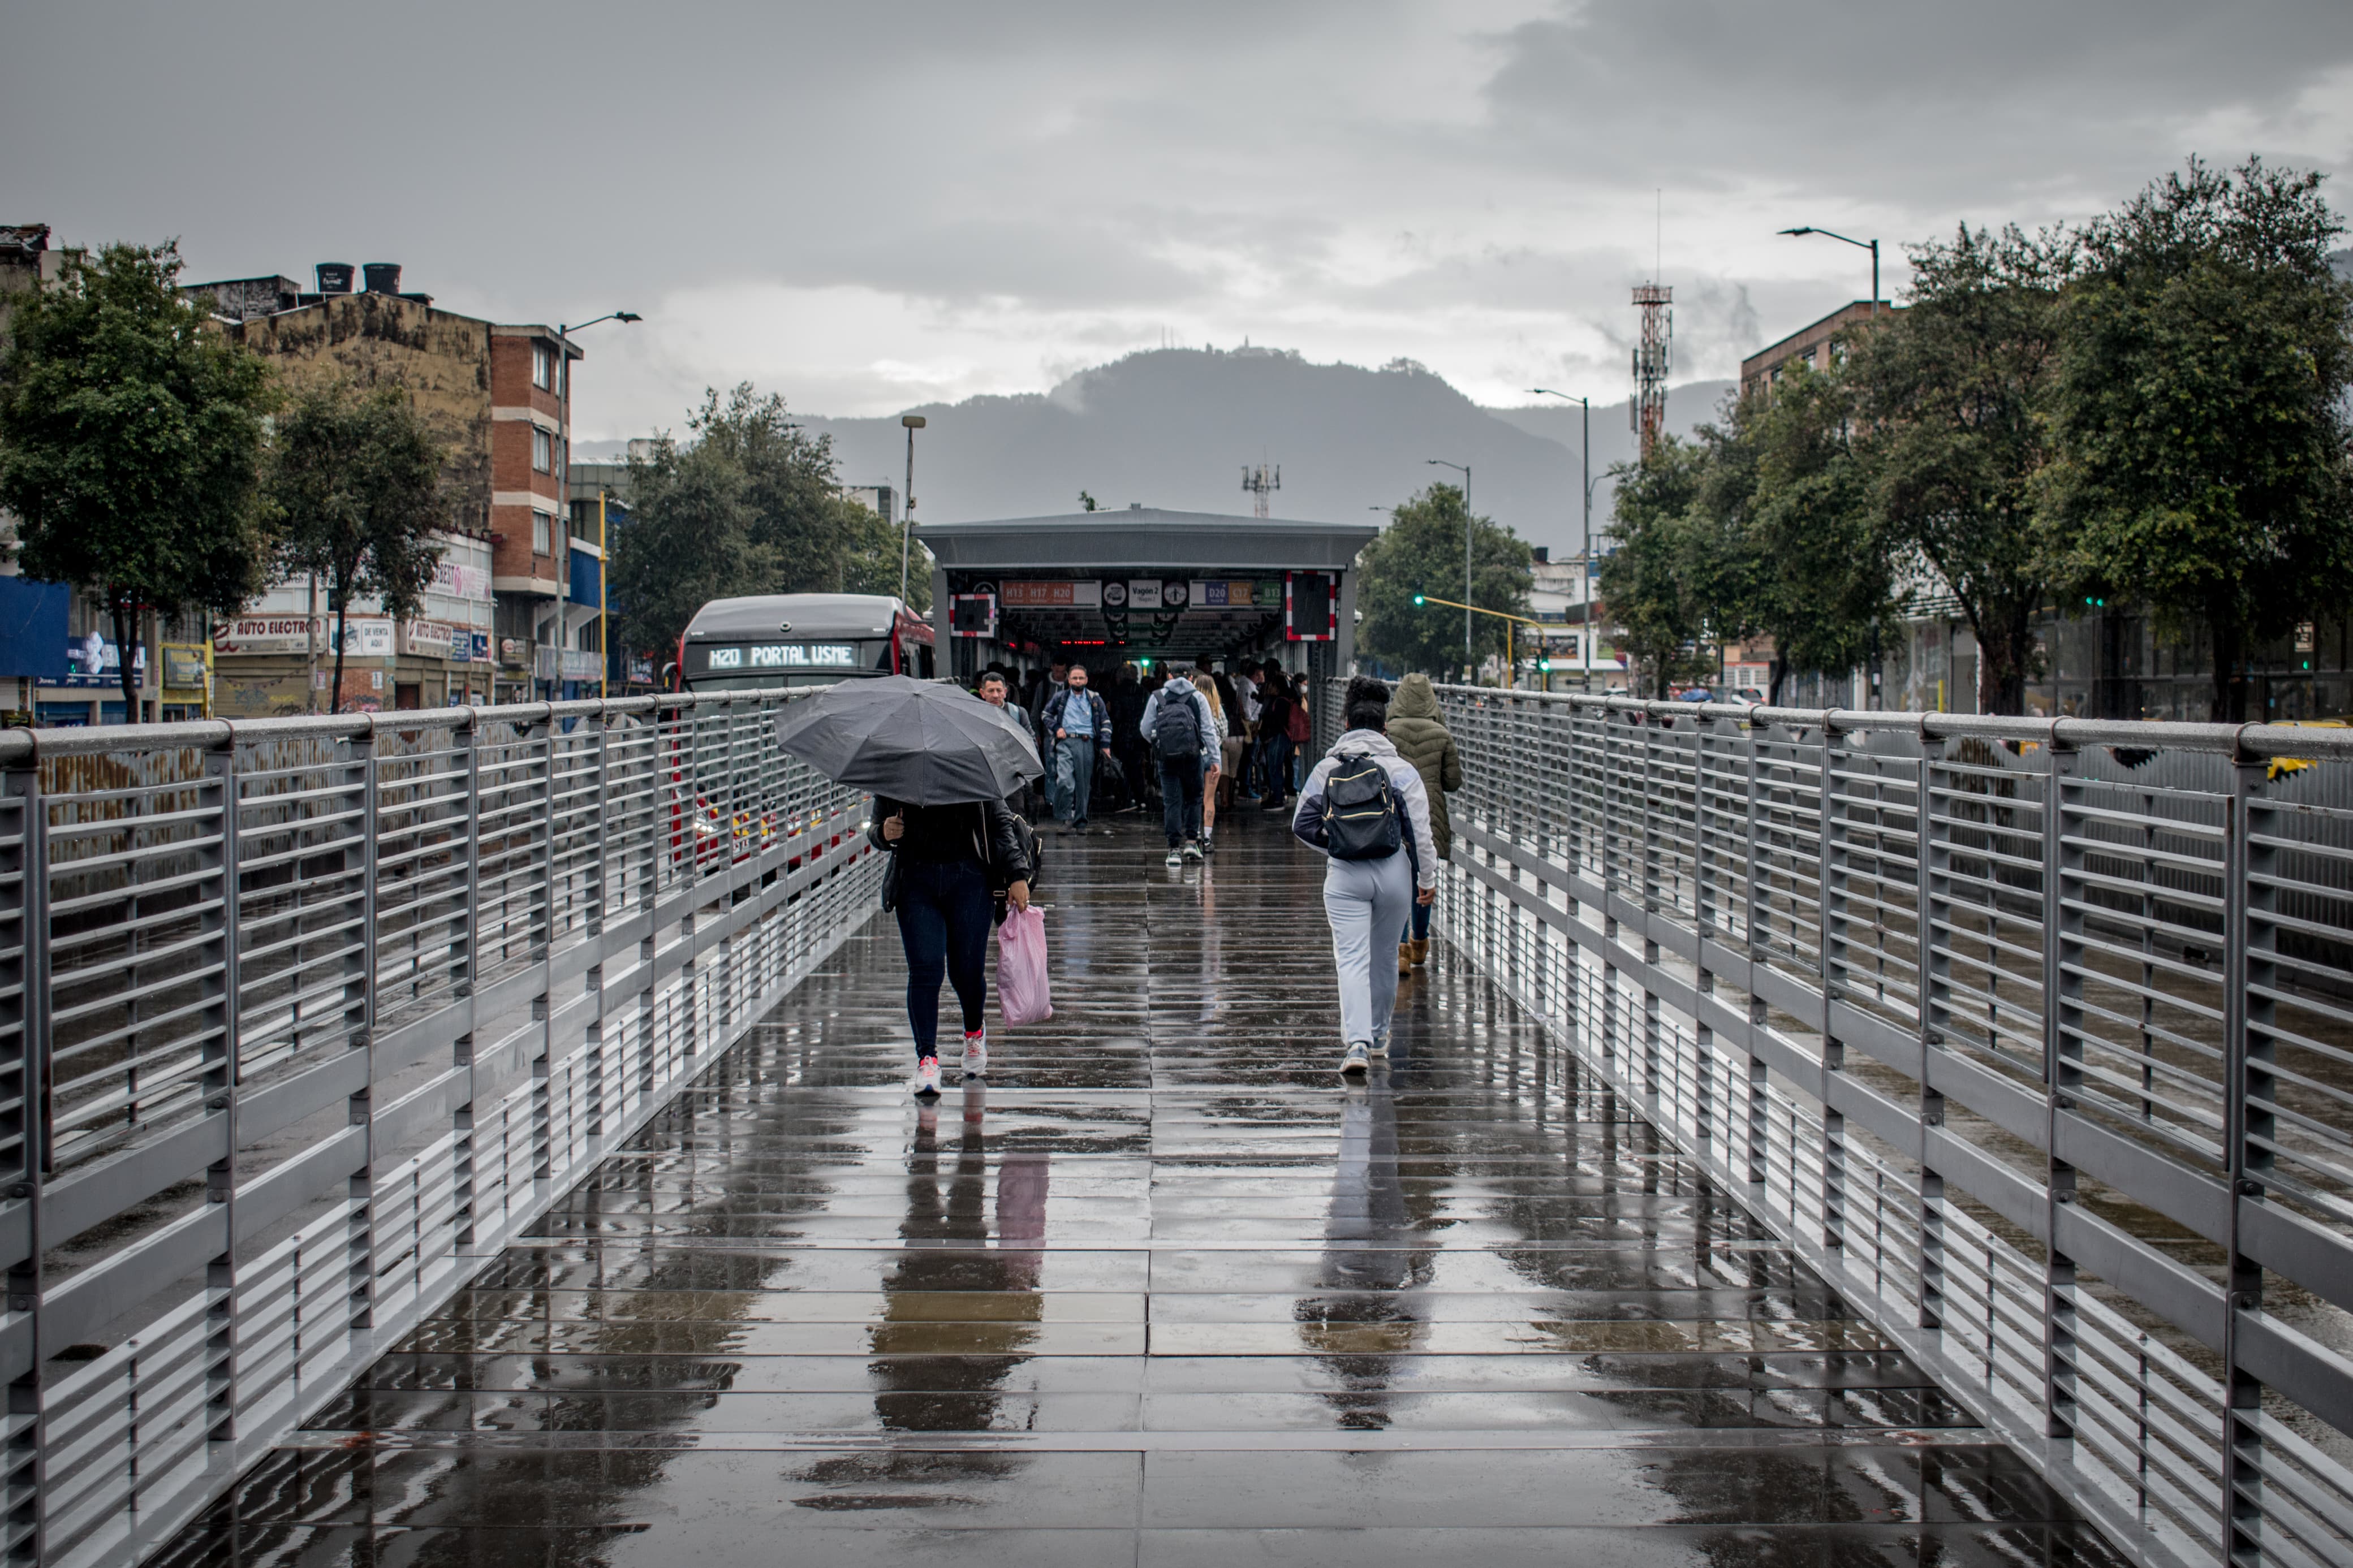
[(1418, 599)]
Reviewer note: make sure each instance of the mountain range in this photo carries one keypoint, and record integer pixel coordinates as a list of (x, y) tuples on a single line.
[(1177, 427)]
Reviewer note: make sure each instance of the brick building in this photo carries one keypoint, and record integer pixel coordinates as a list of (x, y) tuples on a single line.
[(1815, 345), (499, 397)]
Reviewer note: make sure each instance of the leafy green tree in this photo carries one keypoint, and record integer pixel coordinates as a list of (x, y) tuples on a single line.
[(1819, 567), (689, 541), (1950, 398), (355, 479), (2201, 410), (130, 445), (1420, 552), (1651, 583)]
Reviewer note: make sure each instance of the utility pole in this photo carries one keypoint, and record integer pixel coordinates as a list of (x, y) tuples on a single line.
[(913, 422)]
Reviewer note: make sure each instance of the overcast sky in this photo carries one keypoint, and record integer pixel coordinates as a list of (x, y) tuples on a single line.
[(868, 206)]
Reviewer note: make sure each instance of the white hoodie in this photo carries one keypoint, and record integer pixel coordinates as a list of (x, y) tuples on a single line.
[(1404, 778)]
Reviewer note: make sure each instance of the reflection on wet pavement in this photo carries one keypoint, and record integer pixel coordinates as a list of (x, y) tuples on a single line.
[(1161, 1291)]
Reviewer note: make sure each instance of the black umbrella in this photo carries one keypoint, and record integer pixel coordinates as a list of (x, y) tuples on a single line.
[(920, 742)]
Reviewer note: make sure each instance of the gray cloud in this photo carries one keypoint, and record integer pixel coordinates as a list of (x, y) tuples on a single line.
[(872, 206)]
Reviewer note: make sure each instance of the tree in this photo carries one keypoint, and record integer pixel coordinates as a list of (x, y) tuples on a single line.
[(1648, 581), (130, 445), (1819, 573), (688, 539), (1950, 398), (356, 481), (2200, 404), (1420, 552)]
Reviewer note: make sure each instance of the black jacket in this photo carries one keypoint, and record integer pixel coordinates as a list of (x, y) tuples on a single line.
[(985, 833)]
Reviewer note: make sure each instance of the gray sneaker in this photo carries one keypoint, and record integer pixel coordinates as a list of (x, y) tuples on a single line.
[(1381, 1047), (1357, 1060), (1192, 850), (1175, 859)]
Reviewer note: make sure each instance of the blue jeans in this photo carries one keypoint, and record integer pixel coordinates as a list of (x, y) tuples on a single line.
[(1417, 925), (1181, 799), (1077, 753), (1278, 765), (944, 918)]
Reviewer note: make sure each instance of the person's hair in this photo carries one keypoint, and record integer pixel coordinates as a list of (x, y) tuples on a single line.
[(1075, 668), (1201, 682), (1202, 662), (989, 675), (1366, 705)]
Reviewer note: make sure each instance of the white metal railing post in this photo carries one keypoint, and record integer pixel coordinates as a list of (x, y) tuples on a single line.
[(25, 1454), (1829, 913), (221, 1095), (2248, 980), (361, 1197), (465, 956), (2062, 1075), (542, 1065), (1930, 852)]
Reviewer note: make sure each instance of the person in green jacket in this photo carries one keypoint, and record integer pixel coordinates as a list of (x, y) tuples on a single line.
[(1422, 740)]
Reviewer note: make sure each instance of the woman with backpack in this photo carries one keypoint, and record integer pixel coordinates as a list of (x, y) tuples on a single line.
[(1420, 739), (1365, 808)]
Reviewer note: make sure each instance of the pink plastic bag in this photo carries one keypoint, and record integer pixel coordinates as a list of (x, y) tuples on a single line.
[(1024, 995)]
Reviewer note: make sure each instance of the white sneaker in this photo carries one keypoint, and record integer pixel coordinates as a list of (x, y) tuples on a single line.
[(1381, 1047), (1192, 850), (976, 1053), (1176, 858), (1357, 1060), (927, 1076)]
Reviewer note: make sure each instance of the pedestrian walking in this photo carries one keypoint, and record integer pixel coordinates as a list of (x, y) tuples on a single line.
[(1423, 740), (1213, 771), (1183, 733), (1079, 723), (994, 690), (1127, 747), (943, 859), (1274, 731), (1365, 808)]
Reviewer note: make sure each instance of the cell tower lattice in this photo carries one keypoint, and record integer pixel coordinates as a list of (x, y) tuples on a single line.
[(1262, 481), (1652, 358)]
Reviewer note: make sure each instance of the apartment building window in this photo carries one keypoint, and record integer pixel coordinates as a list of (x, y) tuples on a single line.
[(543, 450), (543, 366), (543, 528)]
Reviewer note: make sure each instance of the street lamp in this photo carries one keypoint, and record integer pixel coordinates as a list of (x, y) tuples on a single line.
[(1584, 556), (1870, 245), (913, 422), (1464, 469), (564, 577)]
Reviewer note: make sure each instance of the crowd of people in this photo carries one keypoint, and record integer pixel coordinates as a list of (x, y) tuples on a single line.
[(1187, 743), (1194, 740)]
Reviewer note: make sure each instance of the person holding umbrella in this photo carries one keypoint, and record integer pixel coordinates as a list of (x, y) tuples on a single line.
[(940, 764)]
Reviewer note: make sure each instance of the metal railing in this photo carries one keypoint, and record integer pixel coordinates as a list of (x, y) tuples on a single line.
[(2035, 1038), (299, 1018)]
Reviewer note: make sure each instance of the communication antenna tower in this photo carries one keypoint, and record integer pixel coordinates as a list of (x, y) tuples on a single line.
[(1262, 481), (1652, 356)]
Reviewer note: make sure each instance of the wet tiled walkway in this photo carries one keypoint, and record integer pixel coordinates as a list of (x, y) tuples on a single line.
[(1162, 1292)]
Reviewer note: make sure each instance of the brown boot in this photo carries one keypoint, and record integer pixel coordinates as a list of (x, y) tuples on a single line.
[(1405, 958), (1421, 951)]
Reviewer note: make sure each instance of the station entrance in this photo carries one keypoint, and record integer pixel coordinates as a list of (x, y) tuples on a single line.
[(1145, 585)]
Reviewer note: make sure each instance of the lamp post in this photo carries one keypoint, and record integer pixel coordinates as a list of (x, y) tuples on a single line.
[(1870, 245), (913, 422), (1585, 551), (564, 574), (1470, 669)]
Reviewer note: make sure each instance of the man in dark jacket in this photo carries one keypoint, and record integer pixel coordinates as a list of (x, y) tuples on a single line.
[(1079, 723), (1274, 738)]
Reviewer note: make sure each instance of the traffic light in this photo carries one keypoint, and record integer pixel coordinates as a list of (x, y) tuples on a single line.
[(1417, 601), (1545, 666), (2096, 604)]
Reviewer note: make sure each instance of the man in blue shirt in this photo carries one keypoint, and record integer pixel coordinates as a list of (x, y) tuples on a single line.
[(1080, 726)]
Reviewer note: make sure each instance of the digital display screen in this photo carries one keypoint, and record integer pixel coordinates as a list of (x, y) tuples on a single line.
[(784, 656)]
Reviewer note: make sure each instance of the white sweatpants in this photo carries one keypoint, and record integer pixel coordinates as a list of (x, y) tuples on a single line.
[(1368, 902)]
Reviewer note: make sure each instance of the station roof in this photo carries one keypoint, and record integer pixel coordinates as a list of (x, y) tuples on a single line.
[(1147, 538)]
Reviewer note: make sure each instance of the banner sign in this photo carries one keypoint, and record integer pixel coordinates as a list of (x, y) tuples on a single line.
[(1051, 595), (266, 633), (1237, 594), (94, 660), (368, 638)]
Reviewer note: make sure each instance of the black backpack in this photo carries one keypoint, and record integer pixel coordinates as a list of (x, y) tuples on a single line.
[(1361, 819), (1176, 727)]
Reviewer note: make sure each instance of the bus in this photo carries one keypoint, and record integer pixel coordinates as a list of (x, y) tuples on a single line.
[(772, 642)]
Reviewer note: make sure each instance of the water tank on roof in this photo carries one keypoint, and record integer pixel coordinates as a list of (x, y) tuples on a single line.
[(334, 276), (383, 277)]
